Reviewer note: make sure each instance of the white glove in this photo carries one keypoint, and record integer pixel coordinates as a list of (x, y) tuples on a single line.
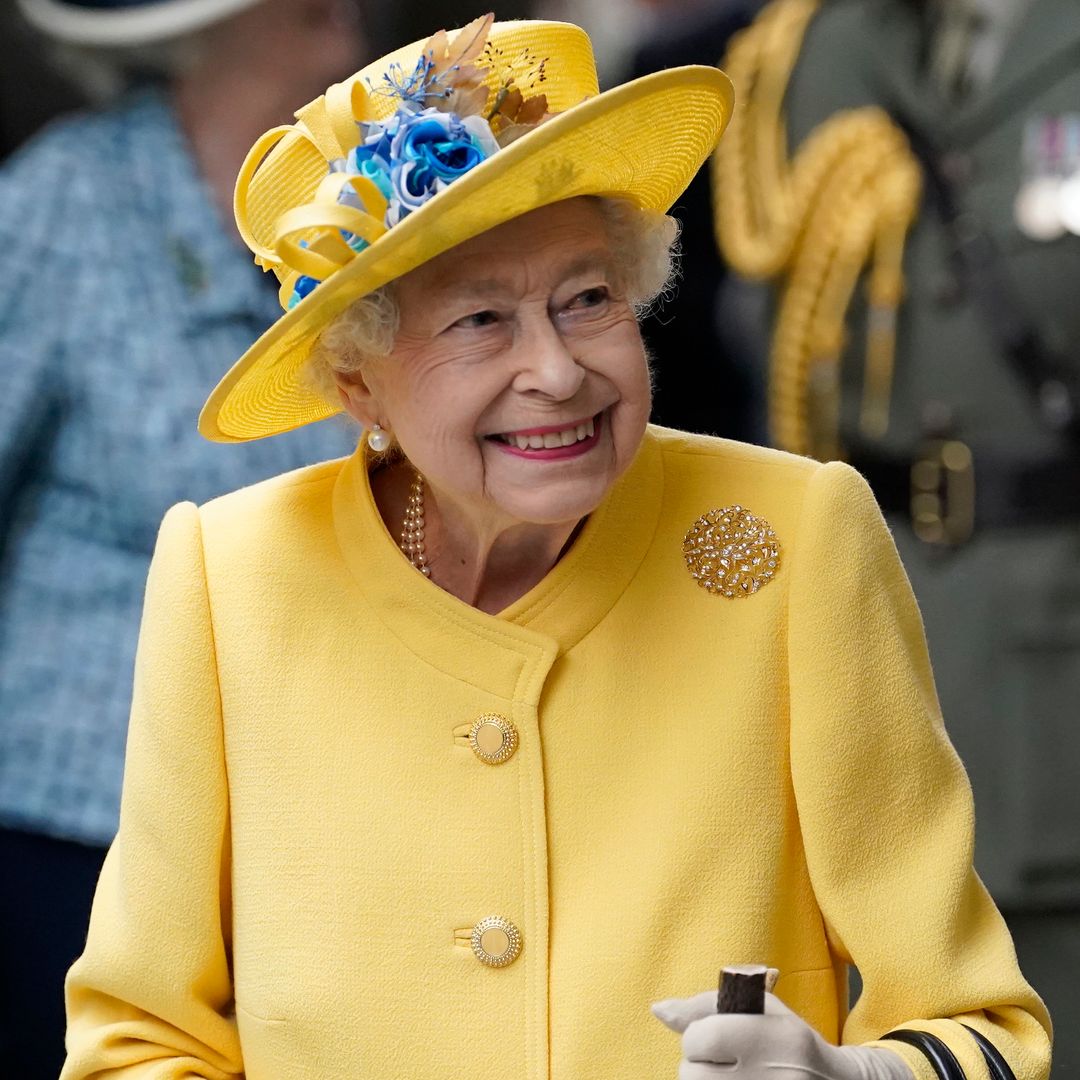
[(778, 1045)]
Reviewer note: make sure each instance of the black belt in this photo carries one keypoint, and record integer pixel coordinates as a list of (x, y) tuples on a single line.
[(947, 492)]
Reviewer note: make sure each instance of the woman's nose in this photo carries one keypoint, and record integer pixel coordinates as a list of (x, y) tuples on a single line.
[(545, 364)]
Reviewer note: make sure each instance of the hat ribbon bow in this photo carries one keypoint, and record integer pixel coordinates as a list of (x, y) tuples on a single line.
[(308, 240)]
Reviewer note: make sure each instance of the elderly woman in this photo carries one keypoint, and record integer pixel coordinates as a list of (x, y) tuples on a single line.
[(449, 758)]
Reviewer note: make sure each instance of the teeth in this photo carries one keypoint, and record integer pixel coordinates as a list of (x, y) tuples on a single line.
[(553, 439)]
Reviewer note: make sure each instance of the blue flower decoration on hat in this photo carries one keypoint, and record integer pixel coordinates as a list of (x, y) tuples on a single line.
[(408, 158), (430, 151)]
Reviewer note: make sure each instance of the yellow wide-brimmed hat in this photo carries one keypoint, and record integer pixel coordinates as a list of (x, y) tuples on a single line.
[(426, 148)]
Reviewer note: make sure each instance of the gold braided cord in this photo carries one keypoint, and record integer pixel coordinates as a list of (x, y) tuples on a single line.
[(813, 222)]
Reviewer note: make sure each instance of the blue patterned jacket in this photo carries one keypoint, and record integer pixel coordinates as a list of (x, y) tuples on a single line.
[(125, 299)]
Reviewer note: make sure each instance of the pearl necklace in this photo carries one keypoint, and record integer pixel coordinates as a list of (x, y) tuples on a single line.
[(412, 528)]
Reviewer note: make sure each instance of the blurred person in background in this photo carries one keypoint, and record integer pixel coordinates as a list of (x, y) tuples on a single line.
[(125, 296), (906, 176)]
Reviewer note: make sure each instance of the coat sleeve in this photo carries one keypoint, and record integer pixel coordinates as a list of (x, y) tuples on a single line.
[(151, 996), (884, 803)]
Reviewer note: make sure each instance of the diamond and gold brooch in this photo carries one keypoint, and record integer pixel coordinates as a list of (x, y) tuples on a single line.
[(731, 552)]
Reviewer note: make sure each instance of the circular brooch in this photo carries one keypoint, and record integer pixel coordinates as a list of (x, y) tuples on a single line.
[(731, 552)]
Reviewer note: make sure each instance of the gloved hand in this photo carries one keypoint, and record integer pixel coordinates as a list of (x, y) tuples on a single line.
[(778, 1045)]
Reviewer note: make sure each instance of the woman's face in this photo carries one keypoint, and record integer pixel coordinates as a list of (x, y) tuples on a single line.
[(518, 337)]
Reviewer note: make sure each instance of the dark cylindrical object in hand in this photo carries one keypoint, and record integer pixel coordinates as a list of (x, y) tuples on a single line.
[(742, 989)]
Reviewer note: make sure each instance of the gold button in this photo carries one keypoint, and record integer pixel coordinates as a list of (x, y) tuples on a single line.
[(496, 941), (493, 739)]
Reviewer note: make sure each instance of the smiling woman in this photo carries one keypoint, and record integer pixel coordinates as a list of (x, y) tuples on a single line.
[(452, 759), (503, 348)]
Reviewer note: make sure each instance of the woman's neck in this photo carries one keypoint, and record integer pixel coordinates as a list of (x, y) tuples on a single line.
[(487, 563)]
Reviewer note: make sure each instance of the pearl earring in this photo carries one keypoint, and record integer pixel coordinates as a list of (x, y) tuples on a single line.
[(378, 439)]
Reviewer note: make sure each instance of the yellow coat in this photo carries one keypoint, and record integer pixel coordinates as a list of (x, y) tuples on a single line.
[(307, 838)]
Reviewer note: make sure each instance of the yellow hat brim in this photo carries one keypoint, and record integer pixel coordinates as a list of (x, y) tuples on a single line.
[(643, 141)]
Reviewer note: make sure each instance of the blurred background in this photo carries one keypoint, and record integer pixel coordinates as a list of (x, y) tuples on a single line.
[(913, 313)]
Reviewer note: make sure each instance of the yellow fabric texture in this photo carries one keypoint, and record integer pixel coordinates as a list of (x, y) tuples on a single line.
[(642, 141), (306, 837)]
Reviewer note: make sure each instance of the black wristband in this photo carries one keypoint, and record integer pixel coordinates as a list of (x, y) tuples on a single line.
[(996, 1065), (937, 1053)]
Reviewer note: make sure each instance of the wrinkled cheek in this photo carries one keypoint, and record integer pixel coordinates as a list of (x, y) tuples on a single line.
[(437, 451), (463, 462)]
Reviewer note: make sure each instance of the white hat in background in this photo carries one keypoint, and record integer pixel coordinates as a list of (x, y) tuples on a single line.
[(125, 22)]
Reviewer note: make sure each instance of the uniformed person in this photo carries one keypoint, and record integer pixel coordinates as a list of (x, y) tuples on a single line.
[(919, 225)]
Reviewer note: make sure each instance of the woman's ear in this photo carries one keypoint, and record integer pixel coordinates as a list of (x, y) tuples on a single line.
[(356, 398)]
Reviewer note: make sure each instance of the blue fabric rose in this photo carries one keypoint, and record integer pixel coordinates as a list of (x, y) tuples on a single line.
[(430, 150), (440, 143), (379, 136), (413, 155)]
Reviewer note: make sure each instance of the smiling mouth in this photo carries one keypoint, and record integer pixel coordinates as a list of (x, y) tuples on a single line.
[(549, 438)]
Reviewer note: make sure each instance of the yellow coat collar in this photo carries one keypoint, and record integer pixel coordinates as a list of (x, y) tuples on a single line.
[(499, 652)]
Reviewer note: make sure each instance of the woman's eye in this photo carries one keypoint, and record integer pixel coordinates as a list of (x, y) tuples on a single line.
[(590, 297), (477, 319)]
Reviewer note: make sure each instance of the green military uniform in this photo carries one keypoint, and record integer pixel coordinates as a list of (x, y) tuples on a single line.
[(1002, 610)]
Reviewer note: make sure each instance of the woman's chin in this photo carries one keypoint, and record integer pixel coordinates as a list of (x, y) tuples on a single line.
[(551, 493), (555, 501)]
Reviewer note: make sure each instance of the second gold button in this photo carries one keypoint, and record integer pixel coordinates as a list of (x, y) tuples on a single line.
[(493, 739), (496, 941)]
